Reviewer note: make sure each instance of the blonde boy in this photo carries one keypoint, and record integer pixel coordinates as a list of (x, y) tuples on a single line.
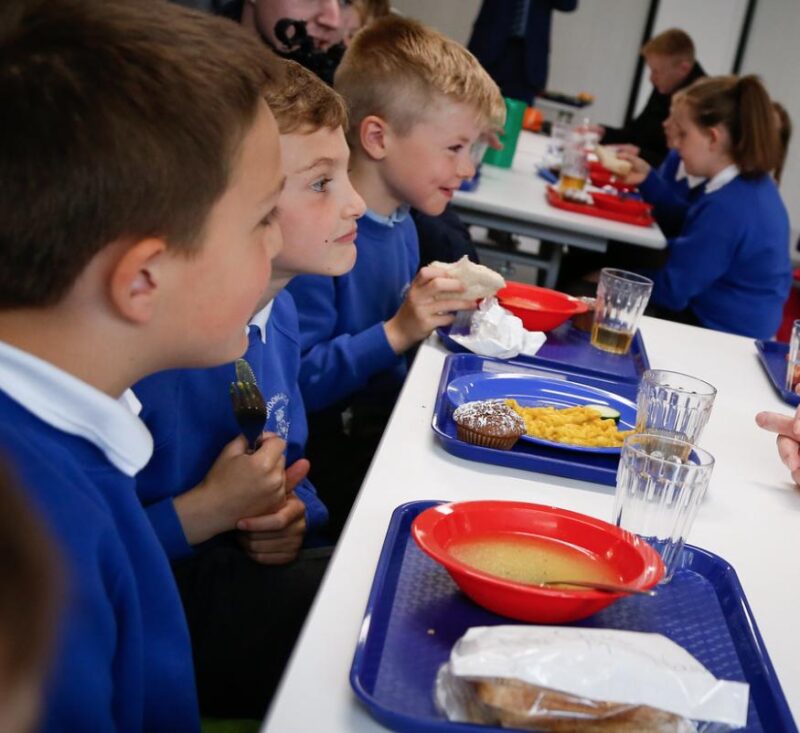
[(417, 102), (140, 168), (243, 616)]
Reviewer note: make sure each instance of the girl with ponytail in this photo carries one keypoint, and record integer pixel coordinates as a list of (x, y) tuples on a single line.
[(729, 267)]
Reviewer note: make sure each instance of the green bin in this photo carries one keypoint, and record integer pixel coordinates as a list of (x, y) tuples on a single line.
[(515, 111)]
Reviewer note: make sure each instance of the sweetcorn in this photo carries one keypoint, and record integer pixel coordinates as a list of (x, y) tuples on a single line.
[(573, 425)]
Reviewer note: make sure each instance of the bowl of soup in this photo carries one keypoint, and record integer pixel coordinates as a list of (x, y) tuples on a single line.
[(540, 309), (500, 552)]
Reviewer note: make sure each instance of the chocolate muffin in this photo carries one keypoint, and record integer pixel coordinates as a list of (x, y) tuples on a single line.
[(490, 423)]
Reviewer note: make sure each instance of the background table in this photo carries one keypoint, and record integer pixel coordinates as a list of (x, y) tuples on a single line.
[(513, 200), (751, 517)]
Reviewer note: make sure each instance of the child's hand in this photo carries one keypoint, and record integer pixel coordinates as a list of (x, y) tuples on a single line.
[(788, 440), (275, 539), (239, 484), (639, 170), (424, 308)]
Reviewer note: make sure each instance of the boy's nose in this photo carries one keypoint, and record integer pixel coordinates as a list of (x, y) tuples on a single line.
[(466, 167), (356, 206)]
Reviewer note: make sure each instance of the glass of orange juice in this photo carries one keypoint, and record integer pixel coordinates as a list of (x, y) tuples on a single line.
[(574, 169), (621, 299)]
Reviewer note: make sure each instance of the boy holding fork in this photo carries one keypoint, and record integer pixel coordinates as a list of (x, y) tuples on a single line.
[(123, 198), (246, 595)]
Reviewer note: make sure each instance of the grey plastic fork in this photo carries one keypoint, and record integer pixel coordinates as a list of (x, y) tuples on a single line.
[(249, 409)]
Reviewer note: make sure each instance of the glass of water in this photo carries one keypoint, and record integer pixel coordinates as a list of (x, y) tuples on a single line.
[(674, 404), (661, 482)]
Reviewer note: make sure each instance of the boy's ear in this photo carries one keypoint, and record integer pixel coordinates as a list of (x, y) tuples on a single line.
[(373, 133), (135, 279)]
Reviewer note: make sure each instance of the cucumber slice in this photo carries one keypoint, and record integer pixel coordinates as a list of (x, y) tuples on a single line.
[(606, 412)]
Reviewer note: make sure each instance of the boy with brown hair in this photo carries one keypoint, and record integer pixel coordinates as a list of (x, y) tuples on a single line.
[(246, 604), (418, 102), (140, 171)]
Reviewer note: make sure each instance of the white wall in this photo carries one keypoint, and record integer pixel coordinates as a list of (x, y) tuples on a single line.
[(774, 54), (594, 49)]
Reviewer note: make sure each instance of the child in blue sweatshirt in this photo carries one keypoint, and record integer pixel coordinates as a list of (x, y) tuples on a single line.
[(247, 593), (117, 236), (417, 104), (729, 267)]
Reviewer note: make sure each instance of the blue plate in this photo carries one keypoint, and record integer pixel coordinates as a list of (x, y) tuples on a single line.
[(531, 391)]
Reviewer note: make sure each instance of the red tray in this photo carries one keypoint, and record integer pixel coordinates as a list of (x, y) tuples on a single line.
[(640, 220), (600, 177)]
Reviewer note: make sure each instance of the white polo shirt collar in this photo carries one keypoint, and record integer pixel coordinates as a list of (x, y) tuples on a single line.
[(693, 181), (260, 320), (723, 178), (71, 405)]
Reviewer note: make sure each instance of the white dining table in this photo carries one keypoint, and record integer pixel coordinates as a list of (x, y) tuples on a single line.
[(750, 517), (514, 200)]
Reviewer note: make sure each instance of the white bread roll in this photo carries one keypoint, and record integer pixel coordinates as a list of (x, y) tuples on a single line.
[(479, 281)]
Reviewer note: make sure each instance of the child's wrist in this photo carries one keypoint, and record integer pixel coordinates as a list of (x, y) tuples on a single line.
[(397, 339), (199, 517)]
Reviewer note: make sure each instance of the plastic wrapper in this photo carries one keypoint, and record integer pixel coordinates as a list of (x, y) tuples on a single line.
[(586, 681), (493, 331)]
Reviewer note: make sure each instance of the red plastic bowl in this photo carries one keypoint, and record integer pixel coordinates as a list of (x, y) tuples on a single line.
[(636, 563), (540, 309)]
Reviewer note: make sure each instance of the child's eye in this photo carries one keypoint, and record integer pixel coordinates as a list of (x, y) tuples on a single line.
[(321, 185), (456, 148)]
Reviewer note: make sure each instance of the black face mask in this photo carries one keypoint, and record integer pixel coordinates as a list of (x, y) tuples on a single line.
[(299, 47)]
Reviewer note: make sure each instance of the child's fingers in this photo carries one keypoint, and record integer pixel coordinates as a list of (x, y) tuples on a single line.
[(288, 515), (270, 449), (296, 473), (780, 424), (789, 452), (451, 305)]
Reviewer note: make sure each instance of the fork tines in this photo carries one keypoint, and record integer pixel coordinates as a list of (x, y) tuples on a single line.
[(249, 409)]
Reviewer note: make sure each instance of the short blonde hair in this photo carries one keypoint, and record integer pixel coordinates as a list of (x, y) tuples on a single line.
[(302, 102), (396, 68), (672, 42)]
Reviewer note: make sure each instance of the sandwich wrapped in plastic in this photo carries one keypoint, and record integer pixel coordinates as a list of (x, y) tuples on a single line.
[(586, 681)]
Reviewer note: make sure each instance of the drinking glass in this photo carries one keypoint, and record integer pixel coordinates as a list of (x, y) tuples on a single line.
[(574, 169), (621, 299), (793, 363), (661, 482), (674, 404)]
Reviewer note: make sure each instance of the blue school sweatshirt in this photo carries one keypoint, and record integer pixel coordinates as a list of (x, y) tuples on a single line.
[(730, 264), (345, 350), (189, 413), (123, 660), (671, 197)]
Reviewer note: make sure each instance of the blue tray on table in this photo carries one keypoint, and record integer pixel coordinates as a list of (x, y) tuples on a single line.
[(567, 347), (772, 355), (557, 461), (415, 614)]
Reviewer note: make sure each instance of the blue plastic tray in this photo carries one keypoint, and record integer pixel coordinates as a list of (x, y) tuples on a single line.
[(772, 355), (415, 614), (599, 468), (567, 347)]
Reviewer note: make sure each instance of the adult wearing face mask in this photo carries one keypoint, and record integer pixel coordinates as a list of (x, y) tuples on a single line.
[(670, 57), (317, 39)]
